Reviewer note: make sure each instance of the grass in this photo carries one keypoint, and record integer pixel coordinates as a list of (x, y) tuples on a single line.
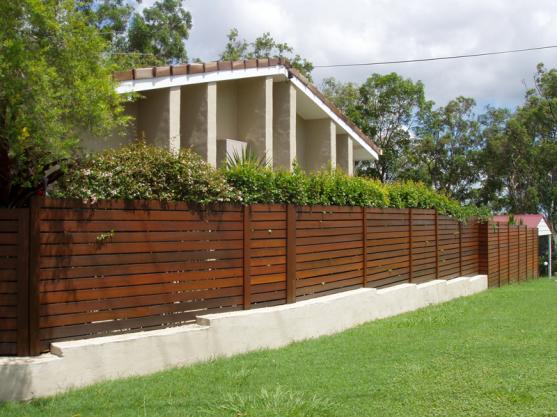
[(492, 354)]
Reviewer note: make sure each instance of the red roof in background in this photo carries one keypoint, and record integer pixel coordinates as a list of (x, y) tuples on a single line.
[(530, 220)]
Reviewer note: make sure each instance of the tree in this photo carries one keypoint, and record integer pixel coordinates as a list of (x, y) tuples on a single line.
[(386, 108), (161, 31), (444, 153), (264, 46), (55, 83), (493, 125), (152, 37), (538, 115), (343, 95), (110, 17)]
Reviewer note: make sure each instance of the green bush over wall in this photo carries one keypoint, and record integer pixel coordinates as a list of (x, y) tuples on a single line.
[(139, 171), (142, 172)]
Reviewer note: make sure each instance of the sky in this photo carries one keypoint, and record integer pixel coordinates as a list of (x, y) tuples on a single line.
[(350, 31)]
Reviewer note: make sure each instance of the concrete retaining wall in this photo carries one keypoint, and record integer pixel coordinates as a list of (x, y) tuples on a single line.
[(84, 362)]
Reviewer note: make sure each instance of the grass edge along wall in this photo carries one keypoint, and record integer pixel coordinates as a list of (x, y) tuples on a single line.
[(70, 270)]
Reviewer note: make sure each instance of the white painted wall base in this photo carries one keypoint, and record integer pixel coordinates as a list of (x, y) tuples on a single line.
[(84, 362)]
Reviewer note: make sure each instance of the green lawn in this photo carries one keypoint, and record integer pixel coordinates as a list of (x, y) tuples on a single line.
[(493, 354)]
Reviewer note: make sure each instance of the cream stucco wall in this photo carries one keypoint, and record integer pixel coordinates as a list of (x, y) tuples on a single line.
[(198, 119), (301, 142), (345, 159), (255, 114), (227, 110), (262, 111), (320, 144), (284, 125), (158, 117)]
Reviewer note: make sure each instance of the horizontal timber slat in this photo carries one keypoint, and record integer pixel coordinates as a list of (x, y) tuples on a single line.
[(123, 266)]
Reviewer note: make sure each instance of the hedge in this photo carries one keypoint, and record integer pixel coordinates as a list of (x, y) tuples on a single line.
[(139, 171)]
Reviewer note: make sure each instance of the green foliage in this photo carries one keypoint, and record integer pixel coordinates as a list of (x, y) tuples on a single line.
[(161, 31), (336, 188), (110, 17), (445, 155), (55, 84), (139, 171), (264, 46), (254, 184), (247, 156), (143, 172), (418, 195), (386, 108), (261, 185), (153, 36)]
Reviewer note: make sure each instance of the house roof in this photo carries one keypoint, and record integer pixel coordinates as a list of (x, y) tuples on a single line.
[(231, 66), (534, 221)]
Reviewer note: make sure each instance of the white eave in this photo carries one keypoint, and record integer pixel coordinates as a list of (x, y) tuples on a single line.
[(238, 74)]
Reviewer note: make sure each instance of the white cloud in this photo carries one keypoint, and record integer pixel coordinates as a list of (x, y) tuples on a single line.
[(330, 32)]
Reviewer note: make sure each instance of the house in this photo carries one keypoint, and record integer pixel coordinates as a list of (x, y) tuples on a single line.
[(534, 221), (219, 107)]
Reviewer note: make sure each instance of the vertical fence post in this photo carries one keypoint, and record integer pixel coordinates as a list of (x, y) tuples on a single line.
[(436, 245), (526, 250), (291, 254), (518, 253), (34, 270), (247, 257), (499, 256), (22, 341), (508, 254), (364, 247), (460, 248), (409, 245)]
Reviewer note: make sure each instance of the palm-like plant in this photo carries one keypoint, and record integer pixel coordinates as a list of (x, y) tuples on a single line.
[(247, 157)]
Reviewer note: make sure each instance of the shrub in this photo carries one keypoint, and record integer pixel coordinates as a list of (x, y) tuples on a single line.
[(336, 188), (139, 171), (410, 194), (252, 183)]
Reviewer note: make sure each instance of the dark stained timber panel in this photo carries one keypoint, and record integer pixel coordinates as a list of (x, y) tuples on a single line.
[(388, 247), (11, 262), (107, 270), (512, 253), (329, 251), (268, 255), (494, 254), (470, 248), (448, 233), (423, 246), (126, 266)]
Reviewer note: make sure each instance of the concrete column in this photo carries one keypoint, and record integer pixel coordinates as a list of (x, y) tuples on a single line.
[(321, 148), (211, 145), (284, 125), (174, 119), (269, 119), (345, 157), (199, 120), (158, 117), (255, 115)]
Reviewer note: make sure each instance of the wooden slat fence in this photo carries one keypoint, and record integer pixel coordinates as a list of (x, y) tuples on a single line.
[(69, 270), (512, 253), (14, 290)]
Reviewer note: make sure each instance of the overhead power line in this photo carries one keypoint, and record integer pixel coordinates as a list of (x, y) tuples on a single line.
[(439, 58)]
